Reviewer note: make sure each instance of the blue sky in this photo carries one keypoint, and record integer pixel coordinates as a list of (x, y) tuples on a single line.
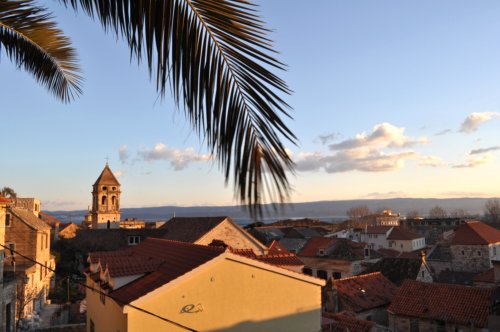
[(391, 99)]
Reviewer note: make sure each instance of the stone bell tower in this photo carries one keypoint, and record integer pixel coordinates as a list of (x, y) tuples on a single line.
[(106, 201)]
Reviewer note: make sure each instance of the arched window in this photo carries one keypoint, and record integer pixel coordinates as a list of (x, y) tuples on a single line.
[(104, 188), (103, 200), (113, 200), (109, 224)]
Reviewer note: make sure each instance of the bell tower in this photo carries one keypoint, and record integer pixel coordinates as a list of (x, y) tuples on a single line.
[(106, 201)]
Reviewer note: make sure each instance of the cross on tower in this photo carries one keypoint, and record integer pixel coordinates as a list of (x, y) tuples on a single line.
[(107, 159)]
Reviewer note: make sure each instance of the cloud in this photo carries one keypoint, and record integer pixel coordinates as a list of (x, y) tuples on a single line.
[(443, 132), (463, 194), (390, 194), (367, 153), (474, 161), (353, 160), (383, 135), (123, 154), (119, 174), (60, 205), (179, 159), (325, 139), (484, 150), (472, 122), (431, 161)]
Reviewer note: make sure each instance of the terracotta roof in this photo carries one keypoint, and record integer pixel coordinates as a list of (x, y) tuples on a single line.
[(378, 229), (5, 199), (397, 269), (29, 218), (131, 265), (452, 303), (189, 229), (344, 322), (50, 220), (364, 292), (487, 276), (400, 233), (277, 248), (315, 243), (174, 258), (281, 259), (107, 177), (475, 233), (385, 252)]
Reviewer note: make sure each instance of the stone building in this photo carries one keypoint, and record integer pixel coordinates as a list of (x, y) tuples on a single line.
[(105, 213), (473, 246), (7, 280), (419, 306), (29, 235)]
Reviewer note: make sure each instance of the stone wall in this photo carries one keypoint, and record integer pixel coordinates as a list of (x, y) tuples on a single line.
[(470, 258)]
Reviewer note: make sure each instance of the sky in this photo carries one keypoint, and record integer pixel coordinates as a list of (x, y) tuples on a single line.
[(391, 99)]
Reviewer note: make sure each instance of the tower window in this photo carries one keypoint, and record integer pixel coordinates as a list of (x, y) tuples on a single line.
[(103, 199), (113, 200), (114, 188), (104, 188)]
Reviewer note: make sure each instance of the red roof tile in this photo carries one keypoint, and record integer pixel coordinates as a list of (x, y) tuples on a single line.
[(343, 322), (177, 259), (452, 303), (5, 199), (390, 253), (52, 221), (315, 243), (281, 259), (277, 248), (131, 265), (475, 233), (364, 292), (400, 233)]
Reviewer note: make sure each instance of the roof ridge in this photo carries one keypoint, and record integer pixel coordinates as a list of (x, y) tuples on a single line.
[(357, 277)]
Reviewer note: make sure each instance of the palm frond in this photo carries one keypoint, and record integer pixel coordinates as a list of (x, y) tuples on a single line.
[(30, 39), (215, 54)]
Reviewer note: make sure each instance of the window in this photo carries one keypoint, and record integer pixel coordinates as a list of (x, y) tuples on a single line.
[(321, 252), (401, 246), (479, 253), (494, 251), (441, 326), (113, 200), (134, 240), (423, 273), (307, 270), (463, 253), (114, 188), (367, 252), (337, 275), (104, 188), (103, 200), (7, 220), (322, 274)]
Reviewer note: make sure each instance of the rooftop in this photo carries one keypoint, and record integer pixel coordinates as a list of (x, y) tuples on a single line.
[(364, 292), (189, 229), (345, 322), (397, 269), (107, 177), (378, 229), (29, 218), (475, 233), (452, 303), (400, 233)]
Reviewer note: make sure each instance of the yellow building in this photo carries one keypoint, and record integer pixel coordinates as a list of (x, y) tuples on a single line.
[(163, 285)]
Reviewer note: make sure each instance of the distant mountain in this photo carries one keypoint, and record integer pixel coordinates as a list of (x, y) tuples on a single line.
[(323, 210)]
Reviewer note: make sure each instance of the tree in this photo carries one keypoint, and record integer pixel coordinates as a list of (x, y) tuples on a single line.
[(437, 212), (8, 192), (214, 54), (413, 214), (357, 212), (492, 210), (459, 213)]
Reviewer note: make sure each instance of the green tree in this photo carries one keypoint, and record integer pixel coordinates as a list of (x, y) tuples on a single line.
[(214, 54)]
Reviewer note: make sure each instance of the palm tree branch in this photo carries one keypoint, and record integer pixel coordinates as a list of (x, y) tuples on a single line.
[(32, 41), (216, 56)]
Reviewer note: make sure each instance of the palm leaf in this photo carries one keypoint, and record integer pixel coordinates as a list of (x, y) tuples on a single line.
[(33, 42), (215, 55)]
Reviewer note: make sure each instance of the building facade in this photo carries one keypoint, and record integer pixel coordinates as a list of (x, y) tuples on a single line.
[(7, 280)]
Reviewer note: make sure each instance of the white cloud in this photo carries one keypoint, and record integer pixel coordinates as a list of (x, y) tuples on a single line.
[(472, 122), (443, 132), (476, 160), (119, 174), (431, 161), (383, 135), (390, 194), (123, 154), (179, 159), (365, 152)]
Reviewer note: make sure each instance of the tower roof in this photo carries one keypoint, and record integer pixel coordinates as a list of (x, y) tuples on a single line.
[(107, 177)]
